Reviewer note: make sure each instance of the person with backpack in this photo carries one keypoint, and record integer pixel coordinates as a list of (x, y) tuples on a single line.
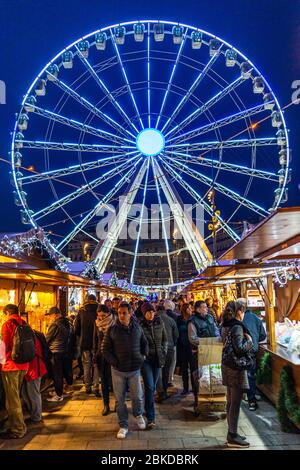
[(84, 330), (20, 350), (58, 337), (31, 388)]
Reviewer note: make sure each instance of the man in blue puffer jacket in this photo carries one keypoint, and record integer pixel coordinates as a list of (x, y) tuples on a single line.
[(258, 334)]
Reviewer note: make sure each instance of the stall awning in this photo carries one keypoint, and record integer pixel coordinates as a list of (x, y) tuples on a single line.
[(278, 236)]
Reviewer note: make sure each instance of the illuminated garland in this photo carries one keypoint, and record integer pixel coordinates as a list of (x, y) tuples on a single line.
[(92, 272), (27, 243)]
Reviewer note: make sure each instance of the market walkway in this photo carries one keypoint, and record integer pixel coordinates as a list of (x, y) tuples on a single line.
[(78, 424)]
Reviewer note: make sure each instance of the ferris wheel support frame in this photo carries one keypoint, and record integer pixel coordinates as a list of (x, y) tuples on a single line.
[(200, 253), (103, 254)]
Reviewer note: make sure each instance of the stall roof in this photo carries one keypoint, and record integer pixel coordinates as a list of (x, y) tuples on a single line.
[(8, 259), (278, 236), (232, 273), (48, 276)]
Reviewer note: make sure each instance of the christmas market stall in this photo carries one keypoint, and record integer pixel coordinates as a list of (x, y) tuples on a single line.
[(276, 242), (32, 276)]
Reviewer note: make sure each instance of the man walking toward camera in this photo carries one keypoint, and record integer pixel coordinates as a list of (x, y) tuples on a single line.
[(125, 348)]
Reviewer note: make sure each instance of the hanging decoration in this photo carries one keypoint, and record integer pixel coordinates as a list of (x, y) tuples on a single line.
[(113, 282), (91, 272), (29, 242)]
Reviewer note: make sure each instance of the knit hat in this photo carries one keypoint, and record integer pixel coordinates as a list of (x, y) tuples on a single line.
[(169, 305), (146, 307)]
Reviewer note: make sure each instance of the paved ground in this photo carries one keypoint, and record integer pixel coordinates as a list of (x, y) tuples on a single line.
[(79, 425)]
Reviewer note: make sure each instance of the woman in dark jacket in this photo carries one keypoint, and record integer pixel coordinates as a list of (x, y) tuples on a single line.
[(235, 380), (105, 319), (156, 336)]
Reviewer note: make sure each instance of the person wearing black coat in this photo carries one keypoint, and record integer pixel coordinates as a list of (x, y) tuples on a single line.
[(105, 319), (124, 347), (156, 335), (172, 335), (200, 325), (184, 348), (84, 329), (233, 331), (58, 340)]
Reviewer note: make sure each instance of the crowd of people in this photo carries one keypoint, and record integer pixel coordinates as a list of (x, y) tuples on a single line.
[(131, 350)]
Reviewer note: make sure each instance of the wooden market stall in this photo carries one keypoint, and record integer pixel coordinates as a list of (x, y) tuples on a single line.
[(264, 263), (277, 240), (33, 277)]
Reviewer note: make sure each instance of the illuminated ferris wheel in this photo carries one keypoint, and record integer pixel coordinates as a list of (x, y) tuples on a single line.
[(149, 109)]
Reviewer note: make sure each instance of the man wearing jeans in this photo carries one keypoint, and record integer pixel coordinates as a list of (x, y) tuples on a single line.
[(258, 334), (124, 348), (84, 329)]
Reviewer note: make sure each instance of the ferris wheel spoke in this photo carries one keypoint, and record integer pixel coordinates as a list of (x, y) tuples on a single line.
[(50, 175), (220, 123), (194, 241), (140, 226), (206, 106), (199, 199), (79, 125), (81, 191), (226, 144), (191, 90), (162, 220), (106, 249), (92, 148), (219, 187), (106, 91), (221, 165), (126, 79), (84, 102), (148, 77), (79, 227), (171, 78)]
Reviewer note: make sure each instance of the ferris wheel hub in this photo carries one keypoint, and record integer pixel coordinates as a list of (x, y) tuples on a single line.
[(150, 142)]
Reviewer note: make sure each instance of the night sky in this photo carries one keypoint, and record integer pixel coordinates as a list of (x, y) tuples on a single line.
[(33, 31)]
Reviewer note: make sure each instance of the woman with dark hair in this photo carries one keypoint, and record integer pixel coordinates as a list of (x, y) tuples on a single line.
[(237, 342), (105, 319)]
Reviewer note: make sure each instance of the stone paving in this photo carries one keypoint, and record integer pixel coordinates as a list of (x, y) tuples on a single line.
[(77, 424)]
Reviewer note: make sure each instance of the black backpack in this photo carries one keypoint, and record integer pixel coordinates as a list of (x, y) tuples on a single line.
[(24, 349), (46, 351)]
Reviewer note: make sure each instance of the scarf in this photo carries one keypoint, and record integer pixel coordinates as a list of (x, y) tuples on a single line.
[(105, 323)]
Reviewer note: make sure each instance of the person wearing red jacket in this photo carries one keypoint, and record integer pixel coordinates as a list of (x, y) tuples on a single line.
[(12, 377), (31, 389)]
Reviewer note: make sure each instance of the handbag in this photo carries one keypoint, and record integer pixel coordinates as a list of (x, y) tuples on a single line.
[(232, 360)]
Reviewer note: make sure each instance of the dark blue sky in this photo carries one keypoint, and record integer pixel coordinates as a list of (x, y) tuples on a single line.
[(33, 31)]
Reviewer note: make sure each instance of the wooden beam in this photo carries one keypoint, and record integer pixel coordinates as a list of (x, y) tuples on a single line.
[(278, 248), (270, 313)]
